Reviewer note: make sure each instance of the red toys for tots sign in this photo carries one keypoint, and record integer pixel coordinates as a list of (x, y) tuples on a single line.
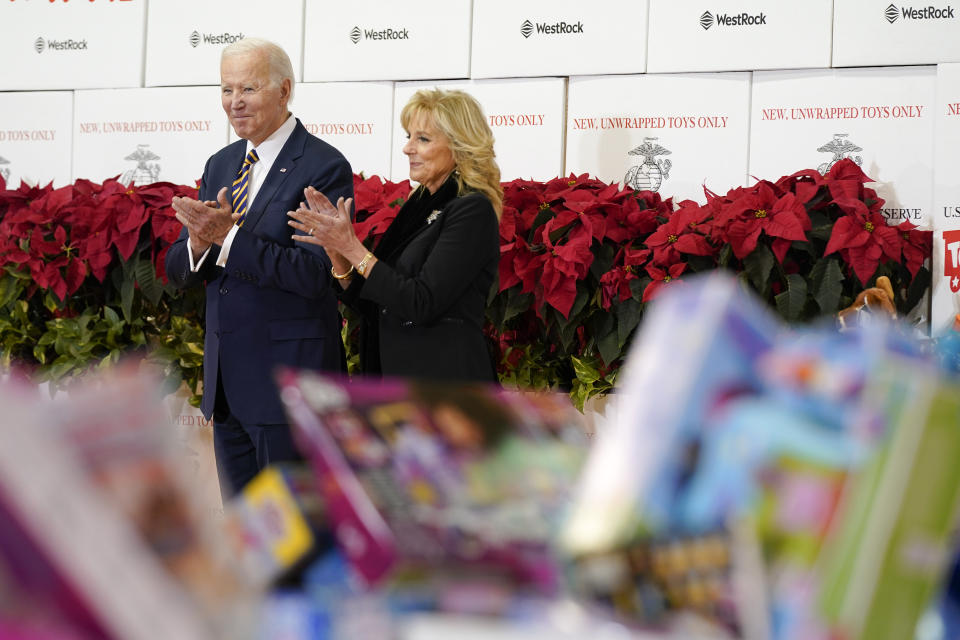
[(951, 258)]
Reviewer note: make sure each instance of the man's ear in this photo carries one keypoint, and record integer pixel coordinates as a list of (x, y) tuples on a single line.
[(285, 91)]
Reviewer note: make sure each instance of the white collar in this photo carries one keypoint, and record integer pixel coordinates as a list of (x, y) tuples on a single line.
[(269, 149)]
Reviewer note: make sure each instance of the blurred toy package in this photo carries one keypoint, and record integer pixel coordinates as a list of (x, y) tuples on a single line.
[(276, 526), (117, 426), (698, 347), (81, 545), (893, 540), (823, 462), (439, 478)]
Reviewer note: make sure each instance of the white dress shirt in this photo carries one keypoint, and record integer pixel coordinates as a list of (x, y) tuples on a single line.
[(268, 151)]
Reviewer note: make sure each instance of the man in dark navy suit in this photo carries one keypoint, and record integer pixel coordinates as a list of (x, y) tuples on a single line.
[(269, 301)]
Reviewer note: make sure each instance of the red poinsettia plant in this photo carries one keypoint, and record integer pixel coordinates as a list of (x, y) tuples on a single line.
[(82, 280), (580, 260)]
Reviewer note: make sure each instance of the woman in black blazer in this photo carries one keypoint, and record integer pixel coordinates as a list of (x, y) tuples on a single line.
[(422, 297)]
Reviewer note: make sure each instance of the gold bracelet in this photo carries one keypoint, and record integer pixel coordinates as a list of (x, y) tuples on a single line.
[(362, 265), (342, 276)]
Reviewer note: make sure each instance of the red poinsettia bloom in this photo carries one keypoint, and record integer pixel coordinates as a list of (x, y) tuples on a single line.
[(375, 205), (636, 257), (615, 283), (681, 233), (846, 180), (631, 219), (761, 211), (508, 223), (803, 184), (526, 200), (588, 202), (652, 200), (568, 259), (48, 276), (917, 245), (519, 265), (130, 216), (372, 193), (164, 226), (863, 238), (661, 277), (371, 226), (562, 187)]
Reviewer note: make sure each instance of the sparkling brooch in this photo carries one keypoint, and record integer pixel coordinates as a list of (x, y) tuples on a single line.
[(433, 216)]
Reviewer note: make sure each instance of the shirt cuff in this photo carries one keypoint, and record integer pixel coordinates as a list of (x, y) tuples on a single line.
[(194, 267), (225, 248)]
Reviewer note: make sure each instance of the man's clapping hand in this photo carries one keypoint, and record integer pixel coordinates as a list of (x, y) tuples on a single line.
[(207, 222)]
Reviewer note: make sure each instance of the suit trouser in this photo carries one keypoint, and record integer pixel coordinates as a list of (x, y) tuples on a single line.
[(242, 449)]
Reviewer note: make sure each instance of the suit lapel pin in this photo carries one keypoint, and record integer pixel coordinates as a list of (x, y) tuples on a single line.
[(283, 169), (433, 216)]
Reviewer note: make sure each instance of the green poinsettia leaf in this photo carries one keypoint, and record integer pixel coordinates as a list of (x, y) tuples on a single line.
[(566, 327), (759, 264), (579, 394), (517, 303), (700, 263), (599, 326), (919, 287), (638, 286), (790, 303), (629, 314), (609, 346), (14, 272), (127, 289), (109, 315), (726, 253), (150, 285), (826, 282), (195, 348), (807, 248), (603, 259), (50, 301), (496, 309), (583, 371), (11, 288), (822, 227), (579, 303), (541, 219)]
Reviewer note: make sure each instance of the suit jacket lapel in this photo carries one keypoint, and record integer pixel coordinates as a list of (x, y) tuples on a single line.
[(282, 167)]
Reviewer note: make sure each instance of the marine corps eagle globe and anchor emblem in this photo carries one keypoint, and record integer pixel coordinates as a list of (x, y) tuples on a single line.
[(143, 173), (649, 174), (840, 148)]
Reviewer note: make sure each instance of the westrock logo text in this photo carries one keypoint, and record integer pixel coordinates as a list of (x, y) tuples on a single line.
[(893, 13), (744, 19), (59, 45), (545, 28), (357, 34), (214, 38)]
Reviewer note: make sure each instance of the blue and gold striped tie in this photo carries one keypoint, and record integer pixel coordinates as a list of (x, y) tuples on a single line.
[(241, 186)]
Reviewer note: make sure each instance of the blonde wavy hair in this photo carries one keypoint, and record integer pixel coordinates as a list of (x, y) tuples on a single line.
[(460, 118)]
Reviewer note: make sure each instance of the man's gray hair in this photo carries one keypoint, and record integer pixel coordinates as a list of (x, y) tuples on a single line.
[(278, 61)]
